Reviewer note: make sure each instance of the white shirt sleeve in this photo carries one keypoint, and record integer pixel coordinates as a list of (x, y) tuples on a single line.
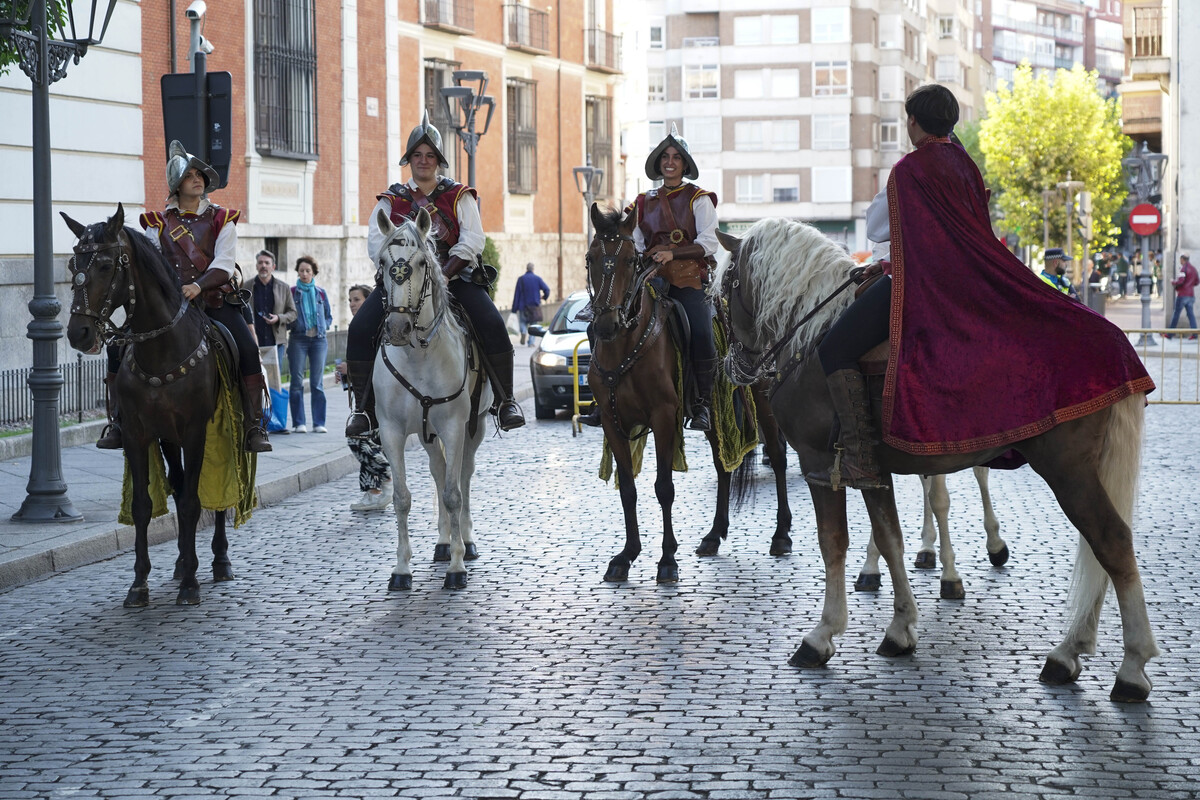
[(225, 251), (639, 240), (706, 224), (152, 235), (470, 230), (878, 220), (374, 235)]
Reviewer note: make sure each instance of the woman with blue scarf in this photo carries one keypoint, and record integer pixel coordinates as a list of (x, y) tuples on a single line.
[(307, 342)]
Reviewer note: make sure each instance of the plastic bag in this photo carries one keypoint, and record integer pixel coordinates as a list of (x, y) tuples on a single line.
[(511, 323), (279, 411)]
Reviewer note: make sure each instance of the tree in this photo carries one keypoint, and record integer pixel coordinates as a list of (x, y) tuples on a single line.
[(56, 13), (1036, 131)]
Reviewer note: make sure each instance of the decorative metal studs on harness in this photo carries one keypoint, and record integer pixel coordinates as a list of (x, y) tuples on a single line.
[(627, 310), (399, 273)]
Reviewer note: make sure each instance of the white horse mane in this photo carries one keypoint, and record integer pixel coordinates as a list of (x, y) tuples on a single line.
[(790, 268)]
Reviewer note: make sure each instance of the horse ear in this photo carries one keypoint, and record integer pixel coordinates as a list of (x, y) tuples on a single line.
[(597, 216), (77, 228), (116, 221), (424, 223), (384, 223), (729, 241)]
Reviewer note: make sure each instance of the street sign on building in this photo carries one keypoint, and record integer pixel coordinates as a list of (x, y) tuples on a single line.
[(1145, 219)]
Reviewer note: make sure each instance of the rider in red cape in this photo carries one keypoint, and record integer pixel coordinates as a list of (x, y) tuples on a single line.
[(983, 353)]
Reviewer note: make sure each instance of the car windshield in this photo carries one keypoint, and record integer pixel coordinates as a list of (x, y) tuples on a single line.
[(564, 320)]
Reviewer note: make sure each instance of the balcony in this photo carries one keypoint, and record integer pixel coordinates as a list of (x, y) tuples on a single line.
[(603, 50), (452, 16), (526, 29)]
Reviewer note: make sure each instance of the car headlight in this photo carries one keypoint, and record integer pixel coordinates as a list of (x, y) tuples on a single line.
[(546, 359)]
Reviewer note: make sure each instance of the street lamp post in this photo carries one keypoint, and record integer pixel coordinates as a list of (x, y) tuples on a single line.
[(1143, 175), (44, 60), (462, 102), (1070, 187), (588, 180), (1047, 196)]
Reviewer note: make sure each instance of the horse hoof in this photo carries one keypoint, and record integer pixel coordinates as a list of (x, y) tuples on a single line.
[(781, 546), (400, 583), (188, 597), (1126, 692), (138, 598), (223, 573), (472, 552), (709, 546), (807, 657), (617, 572), (668, 573), (1057, 673), (455, 580), (441, 552), (953, 590), (925, 560), (890, 648), (1000, 557), (868, 583)]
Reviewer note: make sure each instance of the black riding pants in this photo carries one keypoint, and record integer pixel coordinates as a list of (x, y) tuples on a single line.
[(699, 314), (233, 319), (860, 327), (362, 339)]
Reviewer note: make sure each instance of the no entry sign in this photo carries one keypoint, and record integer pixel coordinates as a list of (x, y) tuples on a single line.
[(1144, 219)]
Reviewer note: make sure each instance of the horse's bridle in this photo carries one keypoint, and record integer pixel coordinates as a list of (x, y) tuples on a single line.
[(108, 333), (398, 273), (629, 308)]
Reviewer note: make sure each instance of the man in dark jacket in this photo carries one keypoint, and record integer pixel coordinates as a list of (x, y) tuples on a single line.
[(274, 311), (527, 300)]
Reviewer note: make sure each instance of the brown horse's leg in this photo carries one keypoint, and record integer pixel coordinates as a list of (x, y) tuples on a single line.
[(817, 646), (618, 567), (901, 635), (221, 565), (138, 458), (187, 506), (664, 489), (711, 543), (776, 449)]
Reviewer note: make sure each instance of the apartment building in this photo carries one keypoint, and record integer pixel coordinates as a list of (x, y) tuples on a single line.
[(1058, 34)]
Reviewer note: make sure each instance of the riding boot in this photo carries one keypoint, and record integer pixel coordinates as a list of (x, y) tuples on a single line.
[(701, 409), (254, 395), (362, 422), (507, 410), (110, 437), (854, 461)]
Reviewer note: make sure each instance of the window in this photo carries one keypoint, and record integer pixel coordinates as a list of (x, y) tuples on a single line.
[(785, 188), (748, 135), (750, 188), (522, 136), (776, 134), (703, 134), (785, 83), (945, 27), (830, 25), (598, 132), (769, 29), (753, 83), (831, 184), (700, 81), (946, 70), (439, 74), (748, 83), (831, 79), (285, 79), (656, 86), (657, 130), (830, 132), (747, 30), (656, 36), (785, 134), (889, 135)]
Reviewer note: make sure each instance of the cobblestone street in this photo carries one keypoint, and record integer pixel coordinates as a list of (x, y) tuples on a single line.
[(306, 678)]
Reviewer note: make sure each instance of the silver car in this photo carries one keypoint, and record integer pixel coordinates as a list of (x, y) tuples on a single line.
[(550, 363)]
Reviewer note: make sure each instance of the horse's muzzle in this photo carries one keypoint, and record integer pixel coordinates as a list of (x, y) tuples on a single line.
[(398, 330), (606, 325), (81, 334)]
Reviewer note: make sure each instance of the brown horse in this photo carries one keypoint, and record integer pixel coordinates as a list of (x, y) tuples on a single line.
[(778, 275), (632, 378), (167, 383)]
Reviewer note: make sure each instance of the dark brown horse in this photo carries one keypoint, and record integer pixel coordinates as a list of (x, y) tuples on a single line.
[(632, 378), (779, 273), (166, 386)]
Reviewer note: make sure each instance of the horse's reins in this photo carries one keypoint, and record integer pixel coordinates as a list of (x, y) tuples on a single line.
[(399, 273)]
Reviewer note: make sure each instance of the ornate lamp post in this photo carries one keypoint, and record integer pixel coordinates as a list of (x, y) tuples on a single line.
[(1143, 175), (44, 60), (588, 180), (462, 103)]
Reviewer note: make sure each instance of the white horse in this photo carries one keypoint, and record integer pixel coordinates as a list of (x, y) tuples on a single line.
[(428, 380), (937, 505)]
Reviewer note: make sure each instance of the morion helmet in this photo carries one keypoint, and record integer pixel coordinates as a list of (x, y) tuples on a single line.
[(179, 161), (425, 132), (690, 171)]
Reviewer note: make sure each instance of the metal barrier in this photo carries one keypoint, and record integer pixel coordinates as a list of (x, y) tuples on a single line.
[(82, 392), (1172, 357), (576, 425)]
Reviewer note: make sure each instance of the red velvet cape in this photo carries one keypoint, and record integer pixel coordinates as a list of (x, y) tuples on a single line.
[(984, 354)]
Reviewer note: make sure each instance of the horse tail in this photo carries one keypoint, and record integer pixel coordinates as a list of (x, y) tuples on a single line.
[(743, 481), (1119, 468)]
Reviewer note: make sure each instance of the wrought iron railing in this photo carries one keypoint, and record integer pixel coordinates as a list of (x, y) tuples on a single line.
[(82, 392), (285, 61), (457, 16), (526, 28), (603, 50)]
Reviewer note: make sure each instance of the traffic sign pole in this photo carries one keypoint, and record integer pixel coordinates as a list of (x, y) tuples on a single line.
[(1145, 220)]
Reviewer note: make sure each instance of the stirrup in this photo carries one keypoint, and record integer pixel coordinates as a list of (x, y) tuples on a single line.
[(257, 441), (592, 418), (509, 415), (701, 419), (356, 429), (110, 437)]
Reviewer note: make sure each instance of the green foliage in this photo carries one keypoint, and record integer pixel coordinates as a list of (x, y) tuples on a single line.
[(1034, 133), (492, 256), (968, 134), (56, 13)]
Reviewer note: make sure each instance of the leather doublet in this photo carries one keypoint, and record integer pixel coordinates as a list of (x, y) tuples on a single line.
[(444, 214)]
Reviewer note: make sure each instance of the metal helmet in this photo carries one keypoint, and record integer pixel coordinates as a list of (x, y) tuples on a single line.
[(426, 133), (691, 172), (179, 161)]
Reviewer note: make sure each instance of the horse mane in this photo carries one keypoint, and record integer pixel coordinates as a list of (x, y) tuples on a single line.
[(791, 268), (155, 263), (609, 220)]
